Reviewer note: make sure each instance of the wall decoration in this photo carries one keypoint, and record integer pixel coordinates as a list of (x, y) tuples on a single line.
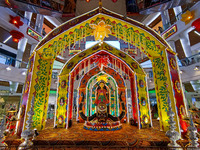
[(16, 21), (196, 25), (70, 65), (16, 36), (173, 63), (101, 30), (134, 65), (172, 30), (73, 52), (177, 86), (141, 83), (34, 34), (145, 120), (63, 84), (60, 120), (102, 78), (62, 101), (102, 61), (188, 16), (143, 101)]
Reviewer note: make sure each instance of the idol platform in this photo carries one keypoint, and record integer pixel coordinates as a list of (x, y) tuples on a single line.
[(76, 137)]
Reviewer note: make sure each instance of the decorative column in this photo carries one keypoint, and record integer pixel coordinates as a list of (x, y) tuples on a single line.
[(193, 134), (134, 99), (2, 128), (70, 101), (28, 133), (171, 133)]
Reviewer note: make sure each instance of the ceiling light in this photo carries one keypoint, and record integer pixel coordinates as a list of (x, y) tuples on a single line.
[(23, 73), (196, 68), (181, 71), (8, 68), (150, 80), (7, 39), (197, 33)]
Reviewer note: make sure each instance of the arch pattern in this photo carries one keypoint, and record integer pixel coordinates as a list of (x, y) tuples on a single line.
[(144, 38), (113, 94), (95, 71)]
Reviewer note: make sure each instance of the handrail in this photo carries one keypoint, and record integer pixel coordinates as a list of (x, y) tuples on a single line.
[(190, 60), (11, 60)]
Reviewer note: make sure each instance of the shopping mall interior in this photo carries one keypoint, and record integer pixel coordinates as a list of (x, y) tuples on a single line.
[(99, 74)]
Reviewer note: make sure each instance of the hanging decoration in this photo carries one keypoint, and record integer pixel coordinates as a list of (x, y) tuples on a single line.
[(74, 52), (16, 21), (101, 61), (101, 30), (16, 35), (102, 78), (8, 3), (187, 16), (196, 24), (114, 1)]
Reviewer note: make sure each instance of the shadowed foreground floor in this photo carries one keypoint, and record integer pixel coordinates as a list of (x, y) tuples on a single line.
[(76, 138), (128, 136)]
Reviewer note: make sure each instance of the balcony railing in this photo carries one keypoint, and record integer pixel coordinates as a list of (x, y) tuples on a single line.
[(190, 60), (11, 61)]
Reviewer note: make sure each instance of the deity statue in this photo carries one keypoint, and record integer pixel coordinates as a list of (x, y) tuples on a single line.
[(102, 94)]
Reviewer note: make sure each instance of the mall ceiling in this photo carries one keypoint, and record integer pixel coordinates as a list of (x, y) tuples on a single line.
[(72, 8)]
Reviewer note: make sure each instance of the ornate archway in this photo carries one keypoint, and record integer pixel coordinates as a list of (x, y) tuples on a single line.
[(119, 81), (64, 111), (166, 75)]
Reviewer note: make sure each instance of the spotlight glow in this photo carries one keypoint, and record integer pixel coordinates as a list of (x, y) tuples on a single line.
[(8, 68)]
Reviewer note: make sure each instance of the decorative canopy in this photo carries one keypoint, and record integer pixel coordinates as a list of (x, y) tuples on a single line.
[(121, 27), (130, 62)]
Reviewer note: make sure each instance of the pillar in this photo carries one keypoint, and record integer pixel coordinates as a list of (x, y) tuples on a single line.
[(184, 38), (165, 19), (28, 16), (33, 47), (177, 12), (172, 44), (39, 23), (21, 48), (13, 86), (70, 101)]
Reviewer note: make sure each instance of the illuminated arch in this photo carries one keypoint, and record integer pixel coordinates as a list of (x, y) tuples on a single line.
[(163, 59), (95, 72), (111, 84)]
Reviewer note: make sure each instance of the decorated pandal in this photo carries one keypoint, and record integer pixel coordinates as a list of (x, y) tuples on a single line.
[(111, 86)]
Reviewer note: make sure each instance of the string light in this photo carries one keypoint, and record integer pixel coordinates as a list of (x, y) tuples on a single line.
[(196, 68)]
